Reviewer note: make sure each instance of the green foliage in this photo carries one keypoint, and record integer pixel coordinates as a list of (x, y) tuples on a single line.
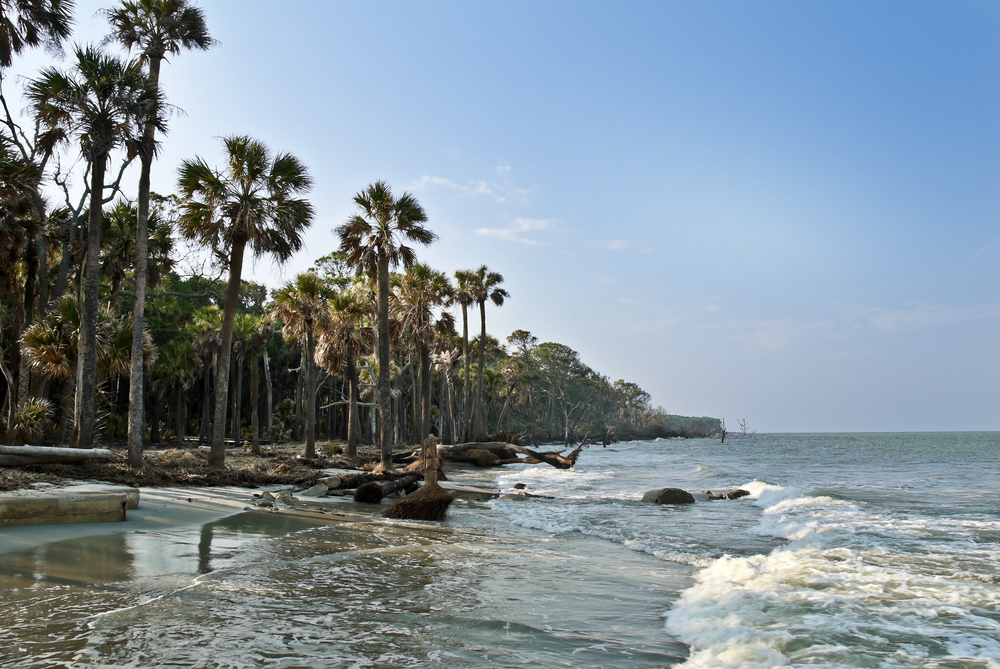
[(31, 420)]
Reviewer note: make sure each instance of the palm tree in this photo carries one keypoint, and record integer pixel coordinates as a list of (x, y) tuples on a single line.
[(119, 246), (422, 293), (105, 102), (154, 28), (205, 332), (463, 295), (28, 23), (252, 203), (372, 242), (484, 287), (302, 305), (346, 337)]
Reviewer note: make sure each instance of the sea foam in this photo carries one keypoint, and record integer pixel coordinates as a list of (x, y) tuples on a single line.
[(848, 589)]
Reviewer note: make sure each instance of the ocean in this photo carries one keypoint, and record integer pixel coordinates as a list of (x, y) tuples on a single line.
[(852, 550)]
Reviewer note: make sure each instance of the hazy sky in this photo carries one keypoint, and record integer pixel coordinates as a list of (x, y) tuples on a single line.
[(786, 212)]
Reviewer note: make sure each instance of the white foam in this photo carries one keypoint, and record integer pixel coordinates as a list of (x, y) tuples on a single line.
[(892, 586)]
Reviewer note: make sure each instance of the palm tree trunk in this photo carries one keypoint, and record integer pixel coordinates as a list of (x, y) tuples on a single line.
[(310, 396), (269, 398), (297, 419), (136, 417), (417, 403), (425, 395), (238, 402), (218, 453), (353, 423), (88, 370), (479, 423), (384, 389), (465, 371), (254, 402), (206, 402)]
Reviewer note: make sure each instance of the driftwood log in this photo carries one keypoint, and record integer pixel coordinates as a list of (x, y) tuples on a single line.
[(495, 454), (41, 455), (375, 491)]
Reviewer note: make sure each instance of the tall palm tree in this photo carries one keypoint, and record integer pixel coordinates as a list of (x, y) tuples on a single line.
[(302, 305), (154, 28), (252, 203), (484, 287), (373, 241), (104, 101), (422, 293), (29, 23), (463, 295), (205, 332), (347, 337)]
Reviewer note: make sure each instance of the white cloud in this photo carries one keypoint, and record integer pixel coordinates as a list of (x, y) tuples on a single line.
[(502, 169), (492, 190), (428, 180), (515, 232)]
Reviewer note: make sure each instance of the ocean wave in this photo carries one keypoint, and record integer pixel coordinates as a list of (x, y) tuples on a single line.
[(851, 587)]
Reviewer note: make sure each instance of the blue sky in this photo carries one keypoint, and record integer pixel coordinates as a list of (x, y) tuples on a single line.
[(780, 211)]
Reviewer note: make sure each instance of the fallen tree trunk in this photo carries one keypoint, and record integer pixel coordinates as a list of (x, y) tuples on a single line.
[(555, 459), (40, 455), (375, 491)]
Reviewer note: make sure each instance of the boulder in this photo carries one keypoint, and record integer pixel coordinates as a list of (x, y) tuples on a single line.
[(736, 494), (668, 496), (317, 490), (332, 482)]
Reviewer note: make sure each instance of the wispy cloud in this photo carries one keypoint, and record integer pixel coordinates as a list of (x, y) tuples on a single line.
[(491, 189), (519, 230)]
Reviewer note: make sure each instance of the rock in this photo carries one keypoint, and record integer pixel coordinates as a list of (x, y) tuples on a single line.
[(668, 496), (317, 490), (512, 496), (736, 494), (520, 486), (285, 497), (332, 482)]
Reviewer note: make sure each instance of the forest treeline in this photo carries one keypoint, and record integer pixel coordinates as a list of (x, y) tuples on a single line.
[(106, 334)]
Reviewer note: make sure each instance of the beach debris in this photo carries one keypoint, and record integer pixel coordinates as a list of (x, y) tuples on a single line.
[(496, 454), (374, 492), (76, 504), (668, 496), (40, 455), (732, 494), (317, 490), (431, 501)]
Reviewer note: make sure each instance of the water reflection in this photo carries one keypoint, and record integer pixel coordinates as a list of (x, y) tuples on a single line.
[(267, 590)]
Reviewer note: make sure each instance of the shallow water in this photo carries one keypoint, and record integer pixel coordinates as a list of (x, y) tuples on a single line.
[(852, 551)]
